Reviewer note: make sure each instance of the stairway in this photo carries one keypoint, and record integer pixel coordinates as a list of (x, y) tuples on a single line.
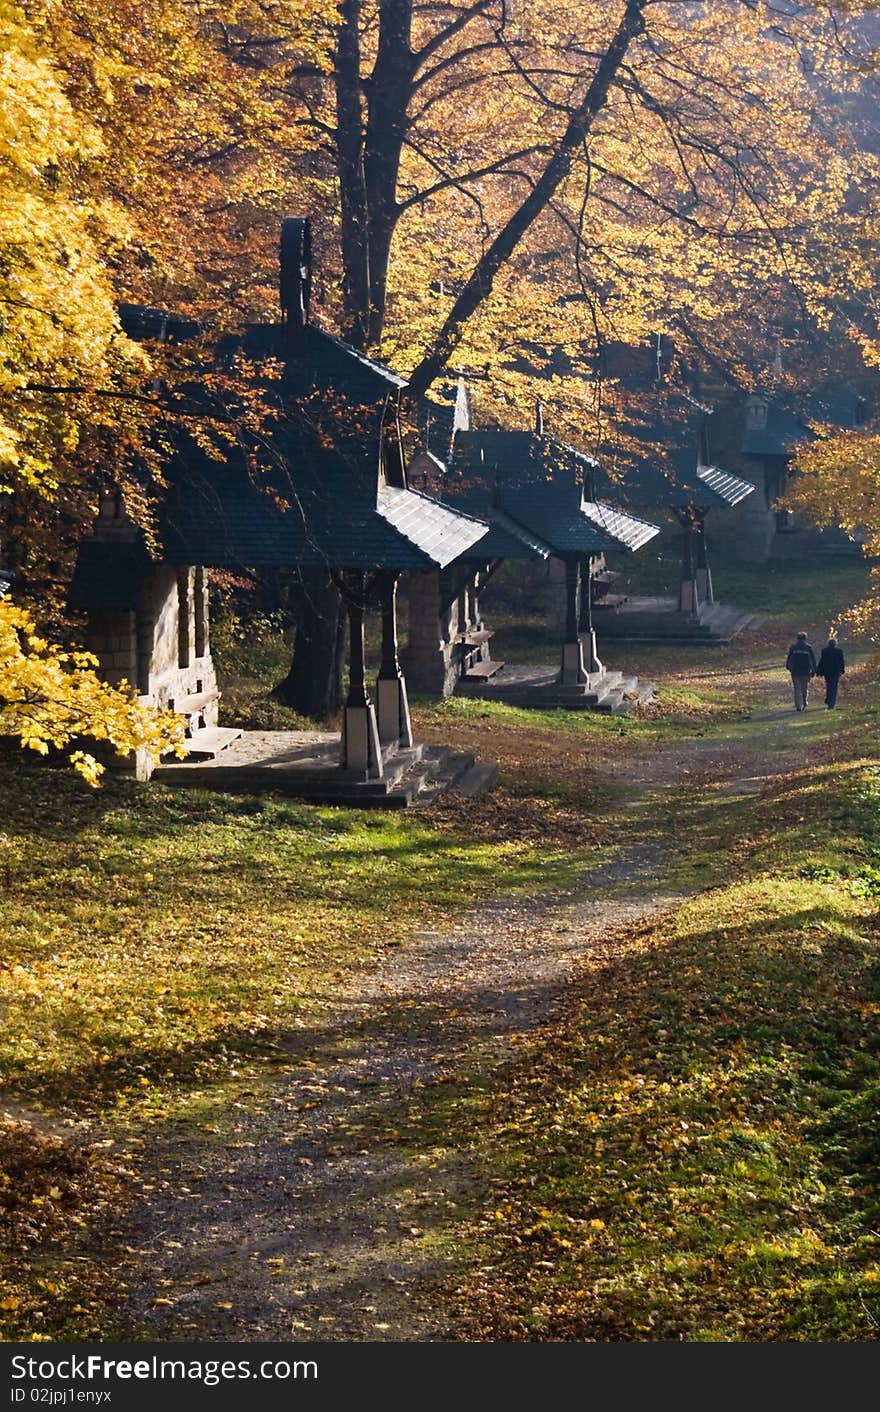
[(538, 688), (661, 620), (276, 762)]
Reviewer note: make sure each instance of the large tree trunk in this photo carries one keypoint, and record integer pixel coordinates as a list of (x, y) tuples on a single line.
[(313, 686), (390, 91), (368, 157), (352, 180)]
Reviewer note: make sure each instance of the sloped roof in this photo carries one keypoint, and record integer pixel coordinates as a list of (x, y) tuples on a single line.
[(439, 532), (308, 491), (323, 513), (786, 424), (629, 531), (505, 539), (779, 436), (569, 523), (109, 574), (544, 487)]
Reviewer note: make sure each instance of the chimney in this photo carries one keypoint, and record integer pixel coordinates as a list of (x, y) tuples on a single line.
[(539, 418), (463, 417), (295, 276)]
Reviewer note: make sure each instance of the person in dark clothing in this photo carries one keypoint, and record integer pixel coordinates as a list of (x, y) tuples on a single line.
[(801, 663), (831, 667)]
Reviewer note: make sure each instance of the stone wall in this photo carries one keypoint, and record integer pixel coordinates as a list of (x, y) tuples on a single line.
[(155, 648)]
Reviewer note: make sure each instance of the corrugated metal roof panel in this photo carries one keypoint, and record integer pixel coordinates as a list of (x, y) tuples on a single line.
[(629, 531), (437, 531), (729, 488)]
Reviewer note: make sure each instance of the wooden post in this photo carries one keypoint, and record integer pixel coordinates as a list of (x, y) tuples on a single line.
[(361, 750), (573, 670), (395, 727)]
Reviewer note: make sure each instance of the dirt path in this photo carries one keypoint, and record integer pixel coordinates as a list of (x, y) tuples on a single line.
[(315, 1223)]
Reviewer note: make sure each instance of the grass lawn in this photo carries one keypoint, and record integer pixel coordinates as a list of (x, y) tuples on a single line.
[(161, 951), (688, 1152)]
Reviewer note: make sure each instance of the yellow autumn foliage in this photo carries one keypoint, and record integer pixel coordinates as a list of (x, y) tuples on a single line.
[(837, 482), (50, 698), (57, 314)]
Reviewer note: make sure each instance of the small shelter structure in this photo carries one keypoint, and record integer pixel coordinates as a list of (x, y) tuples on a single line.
[(669, 466), (544, 491), (773, 429), (322, 483)]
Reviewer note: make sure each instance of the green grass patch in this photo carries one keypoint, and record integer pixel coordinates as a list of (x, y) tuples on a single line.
[(691, 1152), (151, 938)]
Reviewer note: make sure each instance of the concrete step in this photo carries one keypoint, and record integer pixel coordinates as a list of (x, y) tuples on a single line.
[(453, 772), (518, 693), (479, 779), (308, 770)]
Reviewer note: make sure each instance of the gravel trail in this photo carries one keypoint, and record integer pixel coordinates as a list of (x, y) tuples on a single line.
[(312, 1223)]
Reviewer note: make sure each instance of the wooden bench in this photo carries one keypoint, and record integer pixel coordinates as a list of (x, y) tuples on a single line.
[(208, 741), (481, 670), (192, 705)]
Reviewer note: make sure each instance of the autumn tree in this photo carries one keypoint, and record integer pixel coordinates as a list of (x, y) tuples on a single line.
[(519, 184), (63, 358), (52, 699), (836, 482), (499, 187)]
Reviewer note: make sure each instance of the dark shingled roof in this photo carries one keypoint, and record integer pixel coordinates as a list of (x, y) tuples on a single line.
[(562, 516), (315, 362), (505, 539), (786, 425), (779, 436), (674, 469), (327, 513), (308, 492), (109, 574), (545, 487)]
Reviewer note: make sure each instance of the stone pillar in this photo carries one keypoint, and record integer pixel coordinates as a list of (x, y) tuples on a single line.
[(185, 625), (555, 602), (395, 727), (361, 751), (429, 659), (756, 525), (573, 670), (200, 612)]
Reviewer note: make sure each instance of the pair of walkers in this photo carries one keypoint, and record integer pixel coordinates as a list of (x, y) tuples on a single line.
[(802, 665)]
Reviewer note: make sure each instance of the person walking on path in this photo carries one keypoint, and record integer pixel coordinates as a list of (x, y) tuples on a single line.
[(831, 667), (801, 663)]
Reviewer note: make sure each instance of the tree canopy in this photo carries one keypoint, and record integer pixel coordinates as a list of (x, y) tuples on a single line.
[(497, 188)]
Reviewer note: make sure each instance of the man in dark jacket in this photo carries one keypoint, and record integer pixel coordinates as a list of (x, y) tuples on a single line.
[(831, 667), (801, 662)]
